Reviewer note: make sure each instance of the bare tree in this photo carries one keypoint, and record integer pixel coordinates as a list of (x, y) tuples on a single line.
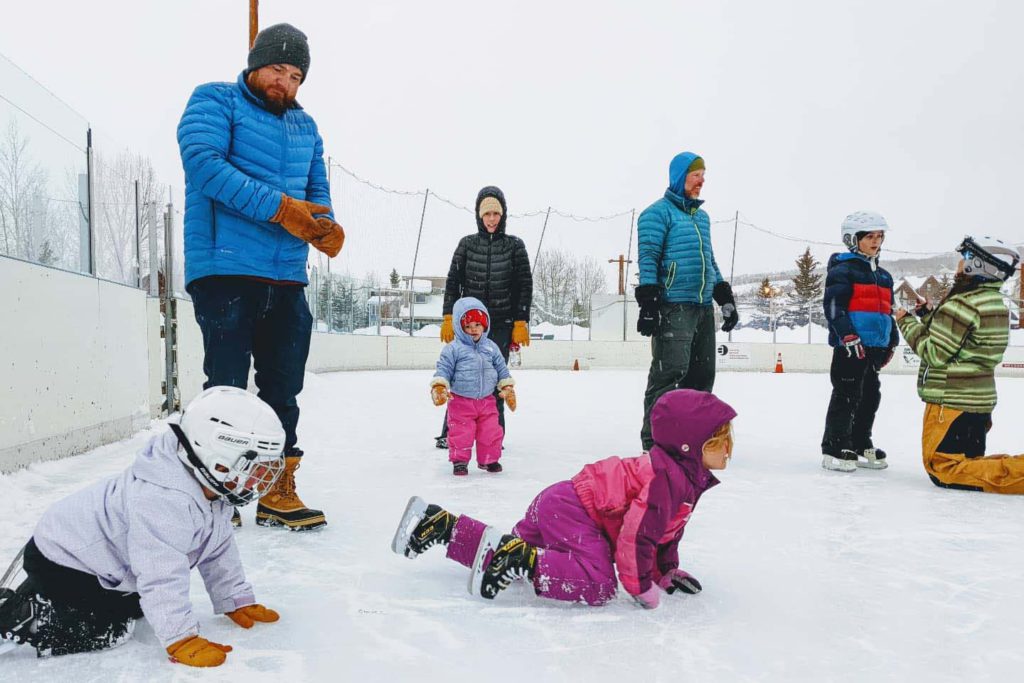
[(590, 279), (22, 195), (563, 285), (114, 213)]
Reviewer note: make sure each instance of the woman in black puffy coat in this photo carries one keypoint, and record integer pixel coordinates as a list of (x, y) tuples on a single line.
[(494, 267)]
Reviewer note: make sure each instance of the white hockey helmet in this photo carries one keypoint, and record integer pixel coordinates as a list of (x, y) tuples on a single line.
[(988, 258), (861, 221), (234, 443)]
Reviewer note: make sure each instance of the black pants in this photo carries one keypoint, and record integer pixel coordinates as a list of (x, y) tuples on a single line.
[(682, 357), (856, 393), (502, 336), (245, 319), (82, 616)]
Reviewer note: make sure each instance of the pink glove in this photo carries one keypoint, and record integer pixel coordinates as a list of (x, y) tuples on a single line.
[(677, 579), (649, 598)]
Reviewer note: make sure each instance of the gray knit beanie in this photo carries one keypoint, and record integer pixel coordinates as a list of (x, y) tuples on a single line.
[(280, 44)]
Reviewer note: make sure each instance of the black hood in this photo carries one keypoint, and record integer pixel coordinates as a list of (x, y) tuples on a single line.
[(491, 191)]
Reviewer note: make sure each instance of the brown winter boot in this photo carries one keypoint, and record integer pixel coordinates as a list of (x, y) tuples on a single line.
[(281, 505)]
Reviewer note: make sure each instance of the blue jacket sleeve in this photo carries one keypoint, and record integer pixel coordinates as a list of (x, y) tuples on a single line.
[(650, 236), (204, 136), (318, 189), (446, 363), (838, 290)]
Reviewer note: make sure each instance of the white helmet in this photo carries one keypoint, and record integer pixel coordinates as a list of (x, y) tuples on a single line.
[(861, 221), (233, 441), (988, 258)]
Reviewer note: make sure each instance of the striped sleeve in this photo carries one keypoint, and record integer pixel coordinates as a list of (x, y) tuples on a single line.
[(938, 343)]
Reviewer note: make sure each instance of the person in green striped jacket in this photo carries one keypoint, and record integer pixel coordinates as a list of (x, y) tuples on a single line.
[(960, 343)]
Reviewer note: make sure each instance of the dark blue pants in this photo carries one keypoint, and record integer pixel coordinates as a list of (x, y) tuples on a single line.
[(243, 318)]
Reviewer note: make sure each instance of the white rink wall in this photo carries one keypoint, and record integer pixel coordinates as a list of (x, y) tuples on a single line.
[(83, 360)]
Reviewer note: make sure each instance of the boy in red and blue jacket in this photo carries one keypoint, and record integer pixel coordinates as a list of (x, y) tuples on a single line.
[(858, 306)]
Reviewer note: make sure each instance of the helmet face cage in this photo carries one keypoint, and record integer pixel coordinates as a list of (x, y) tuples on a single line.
[(240, 477), (983, 262)]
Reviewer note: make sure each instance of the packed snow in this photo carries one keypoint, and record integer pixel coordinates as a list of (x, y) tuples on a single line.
[(807, 574)]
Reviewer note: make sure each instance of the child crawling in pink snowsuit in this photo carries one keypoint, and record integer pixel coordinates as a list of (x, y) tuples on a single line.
[(618, 513), (468, 372)]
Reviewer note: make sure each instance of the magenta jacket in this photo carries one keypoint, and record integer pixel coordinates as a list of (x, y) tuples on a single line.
[(643, 503)]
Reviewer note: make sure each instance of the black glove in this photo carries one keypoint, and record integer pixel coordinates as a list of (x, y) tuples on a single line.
[(649, 299), (722, 294)]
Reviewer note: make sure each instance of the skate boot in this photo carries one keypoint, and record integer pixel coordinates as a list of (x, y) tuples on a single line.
[(22, 613), (460, 469), (872, 459), (422, 527), (281, 505), (493, 467), (441, 442), (236, 519), (27, 618), (845, 461), (497, 565)]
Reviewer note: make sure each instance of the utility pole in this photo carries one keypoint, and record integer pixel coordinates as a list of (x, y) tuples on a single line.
[(254, 21), (622, 261)]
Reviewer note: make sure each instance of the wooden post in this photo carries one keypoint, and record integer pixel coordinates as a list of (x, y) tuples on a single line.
[(622, 261), (254, 21)]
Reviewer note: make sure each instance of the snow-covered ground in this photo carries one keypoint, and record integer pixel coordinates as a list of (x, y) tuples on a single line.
[(808, 575)]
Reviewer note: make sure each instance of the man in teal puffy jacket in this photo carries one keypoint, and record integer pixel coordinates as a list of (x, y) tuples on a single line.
[(256, 197), (678, 281)]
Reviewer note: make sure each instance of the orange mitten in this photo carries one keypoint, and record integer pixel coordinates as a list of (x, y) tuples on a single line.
[(296, 216), (198, 651), (333, 238), (439, 393), (250, 614), (520, 333), (508, 394), (447, 329)]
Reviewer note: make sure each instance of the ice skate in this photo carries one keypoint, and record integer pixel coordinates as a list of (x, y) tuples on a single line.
[(441, 442), (846, 461), (872, 459), (493, 467), (460, 469), (500, 560), (422, 527)]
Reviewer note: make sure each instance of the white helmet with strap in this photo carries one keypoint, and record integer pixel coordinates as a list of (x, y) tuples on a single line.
[(861, 221), (988, 258), (233, 442)]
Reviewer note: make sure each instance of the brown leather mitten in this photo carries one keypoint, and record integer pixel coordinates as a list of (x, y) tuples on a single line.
[(333, 237), (198, 651), (296, 216), (250, 614), (508, 394)]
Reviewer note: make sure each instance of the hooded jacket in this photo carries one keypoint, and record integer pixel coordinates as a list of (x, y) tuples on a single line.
[(144, 531), (238, 159), (858, 300), (642, 504), (674, 243), (471, 368), (493, 268), (960, 344)]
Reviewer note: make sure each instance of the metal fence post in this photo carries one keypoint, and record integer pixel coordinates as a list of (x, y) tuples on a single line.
[(170, 315), (416, 254), (154, 261)]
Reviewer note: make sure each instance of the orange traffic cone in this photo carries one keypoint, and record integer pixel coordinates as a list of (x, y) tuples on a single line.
[(778, 363), (576, 364)]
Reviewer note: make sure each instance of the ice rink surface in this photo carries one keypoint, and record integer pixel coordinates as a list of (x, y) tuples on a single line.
[(808, 575)]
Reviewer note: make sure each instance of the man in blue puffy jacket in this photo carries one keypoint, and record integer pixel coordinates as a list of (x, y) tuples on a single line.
[(678, 281), (256, 195)]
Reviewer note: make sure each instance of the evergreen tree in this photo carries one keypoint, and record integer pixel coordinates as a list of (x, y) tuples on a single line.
[(807, 288), (396, 279)]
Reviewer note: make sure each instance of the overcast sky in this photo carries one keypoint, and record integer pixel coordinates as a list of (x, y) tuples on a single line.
[(804, 111)]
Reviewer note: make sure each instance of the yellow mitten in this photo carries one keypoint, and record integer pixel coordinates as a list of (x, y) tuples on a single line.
[(250, 614), (439, 391), (198, 651), (447, 330), (520, 333), (507, 392)]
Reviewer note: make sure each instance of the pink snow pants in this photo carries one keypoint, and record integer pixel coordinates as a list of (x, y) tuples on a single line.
[(576, 562), (474, 419)]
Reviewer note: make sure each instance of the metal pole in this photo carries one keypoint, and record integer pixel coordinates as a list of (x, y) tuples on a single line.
[(89, 171), (732, 267), (416, 254), (169, 317), (629, 256), (138, 238), (154, 263), (809, 302), (771, 316), (541, 241), (254, 21)]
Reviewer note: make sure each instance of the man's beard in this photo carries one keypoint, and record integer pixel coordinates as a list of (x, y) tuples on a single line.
[(276, 104)]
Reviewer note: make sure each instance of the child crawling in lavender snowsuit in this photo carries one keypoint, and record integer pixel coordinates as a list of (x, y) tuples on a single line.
[(468, 372), (618, 513)]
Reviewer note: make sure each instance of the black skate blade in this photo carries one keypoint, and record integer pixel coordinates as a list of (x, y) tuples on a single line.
[(414, 512)]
